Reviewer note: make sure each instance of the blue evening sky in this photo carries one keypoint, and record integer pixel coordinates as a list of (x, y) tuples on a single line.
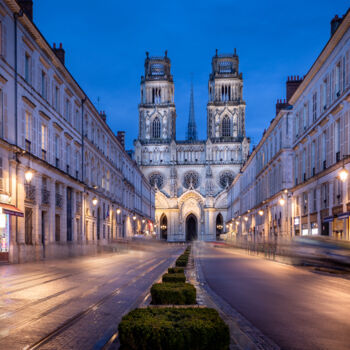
[(106, 40)]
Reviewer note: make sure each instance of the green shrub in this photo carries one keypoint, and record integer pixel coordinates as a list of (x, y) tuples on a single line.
[(176, 270), (173, 329), (173, 294), (174, 277), (182, 262)]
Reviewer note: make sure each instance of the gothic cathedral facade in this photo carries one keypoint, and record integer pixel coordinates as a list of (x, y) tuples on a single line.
[(191, 177)]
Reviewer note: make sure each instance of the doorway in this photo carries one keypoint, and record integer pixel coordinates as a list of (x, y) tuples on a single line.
[(164, 227), (219, 226), (191, 228)]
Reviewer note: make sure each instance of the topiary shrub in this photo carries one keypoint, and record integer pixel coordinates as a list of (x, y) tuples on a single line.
[(174, 277), (176, 270), (173, 294), (173, 329), (182, 260)]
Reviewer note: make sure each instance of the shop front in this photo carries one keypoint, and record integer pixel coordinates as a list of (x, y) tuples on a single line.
[(6, 211), (314, 224), (338, 229), (304, 225), (325, 220), (342, 221)]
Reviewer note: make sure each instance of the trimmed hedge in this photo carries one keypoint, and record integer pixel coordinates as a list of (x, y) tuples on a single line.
[(182, 260), (173, 294), (174, 277), (176, 270), (173, 329)]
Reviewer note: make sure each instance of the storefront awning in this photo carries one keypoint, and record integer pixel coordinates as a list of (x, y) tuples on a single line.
[(328, 219), (343, 215), (10, 210)]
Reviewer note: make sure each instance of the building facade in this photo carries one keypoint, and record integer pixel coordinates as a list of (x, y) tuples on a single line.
[(296, 181), (191, 177), (66, 183)]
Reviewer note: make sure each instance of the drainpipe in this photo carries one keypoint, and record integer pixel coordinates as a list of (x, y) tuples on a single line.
[(16, 16)]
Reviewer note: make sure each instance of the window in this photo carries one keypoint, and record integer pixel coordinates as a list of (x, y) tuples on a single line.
[(43, 85), (305, 116), (337, 80), (324, 94), (43, 141), (314, 106), (77, 164), (304, 165), (57, 151), (67, 110), (337, 141), (57, 98), (313, 158), (324, 150), (314, 204), (68, 158), (325, 195), (2, 116), (156, 128), (305, 207), (338, 191), (226, 126), (27, 68), (28, 131)]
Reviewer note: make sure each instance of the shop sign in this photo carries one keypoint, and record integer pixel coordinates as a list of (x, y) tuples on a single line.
[(343, 215), (328, 219)]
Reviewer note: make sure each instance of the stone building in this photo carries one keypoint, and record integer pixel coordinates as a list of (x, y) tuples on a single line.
[(66, 183), (296, 180), (191, 177)]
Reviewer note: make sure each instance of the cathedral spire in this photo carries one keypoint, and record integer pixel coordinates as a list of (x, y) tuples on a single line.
[(191, 128)]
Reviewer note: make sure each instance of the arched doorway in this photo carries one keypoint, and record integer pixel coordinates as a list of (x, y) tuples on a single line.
[(219, 226), (191, 228), (164, 227)]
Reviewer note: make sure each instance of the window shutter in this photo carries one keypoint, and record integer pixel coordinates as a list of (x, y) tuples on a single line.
[(341, 74), (39, 148), (34, 134), (328, 88), (347, 68), (21, 141), (342, 143), (4, 40)]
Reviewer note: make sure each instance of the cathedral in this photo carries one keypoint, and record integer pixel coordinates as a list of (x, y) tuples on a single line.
[(191, 176)]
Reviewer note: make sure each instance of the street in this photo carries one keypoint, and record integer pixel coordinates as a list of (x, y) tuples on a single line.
[(74, 303), (295, 308)]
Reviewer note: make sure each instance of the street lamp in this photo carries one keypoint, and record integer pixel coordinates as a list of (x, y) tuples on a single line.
[(28, 175), (282, 202), (118, 211), (343, 175), (261, 212), (246, 218), (94, 201), (134, 217)]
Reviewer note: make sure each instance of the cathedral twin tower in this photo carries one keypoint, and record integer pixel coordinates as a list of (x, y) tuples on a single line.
[(191, 177)]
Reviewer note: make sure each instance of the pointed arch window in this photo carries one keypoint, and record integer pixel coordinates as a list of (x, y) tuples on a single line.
[(226, 126), (156, 128)]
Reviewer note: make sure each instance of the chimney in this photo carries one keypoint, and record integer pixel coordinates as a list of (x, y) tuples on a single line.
[(121, 138), (292, 84), (27, 7), (335, 23), (59, 51), (103, 116), (280, 104)]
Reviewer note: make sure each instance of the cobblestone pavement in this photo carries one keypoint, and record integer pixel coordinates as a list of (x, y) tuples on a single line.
[(88, 295)]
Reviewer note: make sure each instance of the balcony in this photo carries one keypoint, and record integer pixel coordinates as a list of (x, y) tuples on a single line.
[(30, 193), (45, 196), (57, 163), (59, 200)]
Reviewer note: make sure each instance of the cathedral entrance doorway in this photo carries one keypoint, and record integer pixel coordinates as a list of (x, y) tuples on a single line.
[(191, 228), (219, 226), (164, 227)]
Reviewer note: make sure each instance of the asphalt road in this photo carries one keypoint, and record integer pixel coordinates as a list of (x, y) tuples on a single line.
[(92, 292), (297, 309)]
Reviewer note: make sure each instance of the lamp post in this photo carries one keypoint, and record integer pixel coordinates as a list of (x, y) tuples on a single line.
[(94, 201), (28, 175)]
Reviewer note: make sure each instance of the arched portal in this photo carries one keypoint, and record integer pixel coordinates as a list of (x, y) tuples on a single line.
[(191, 228), (164, 227), (219, 226)]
